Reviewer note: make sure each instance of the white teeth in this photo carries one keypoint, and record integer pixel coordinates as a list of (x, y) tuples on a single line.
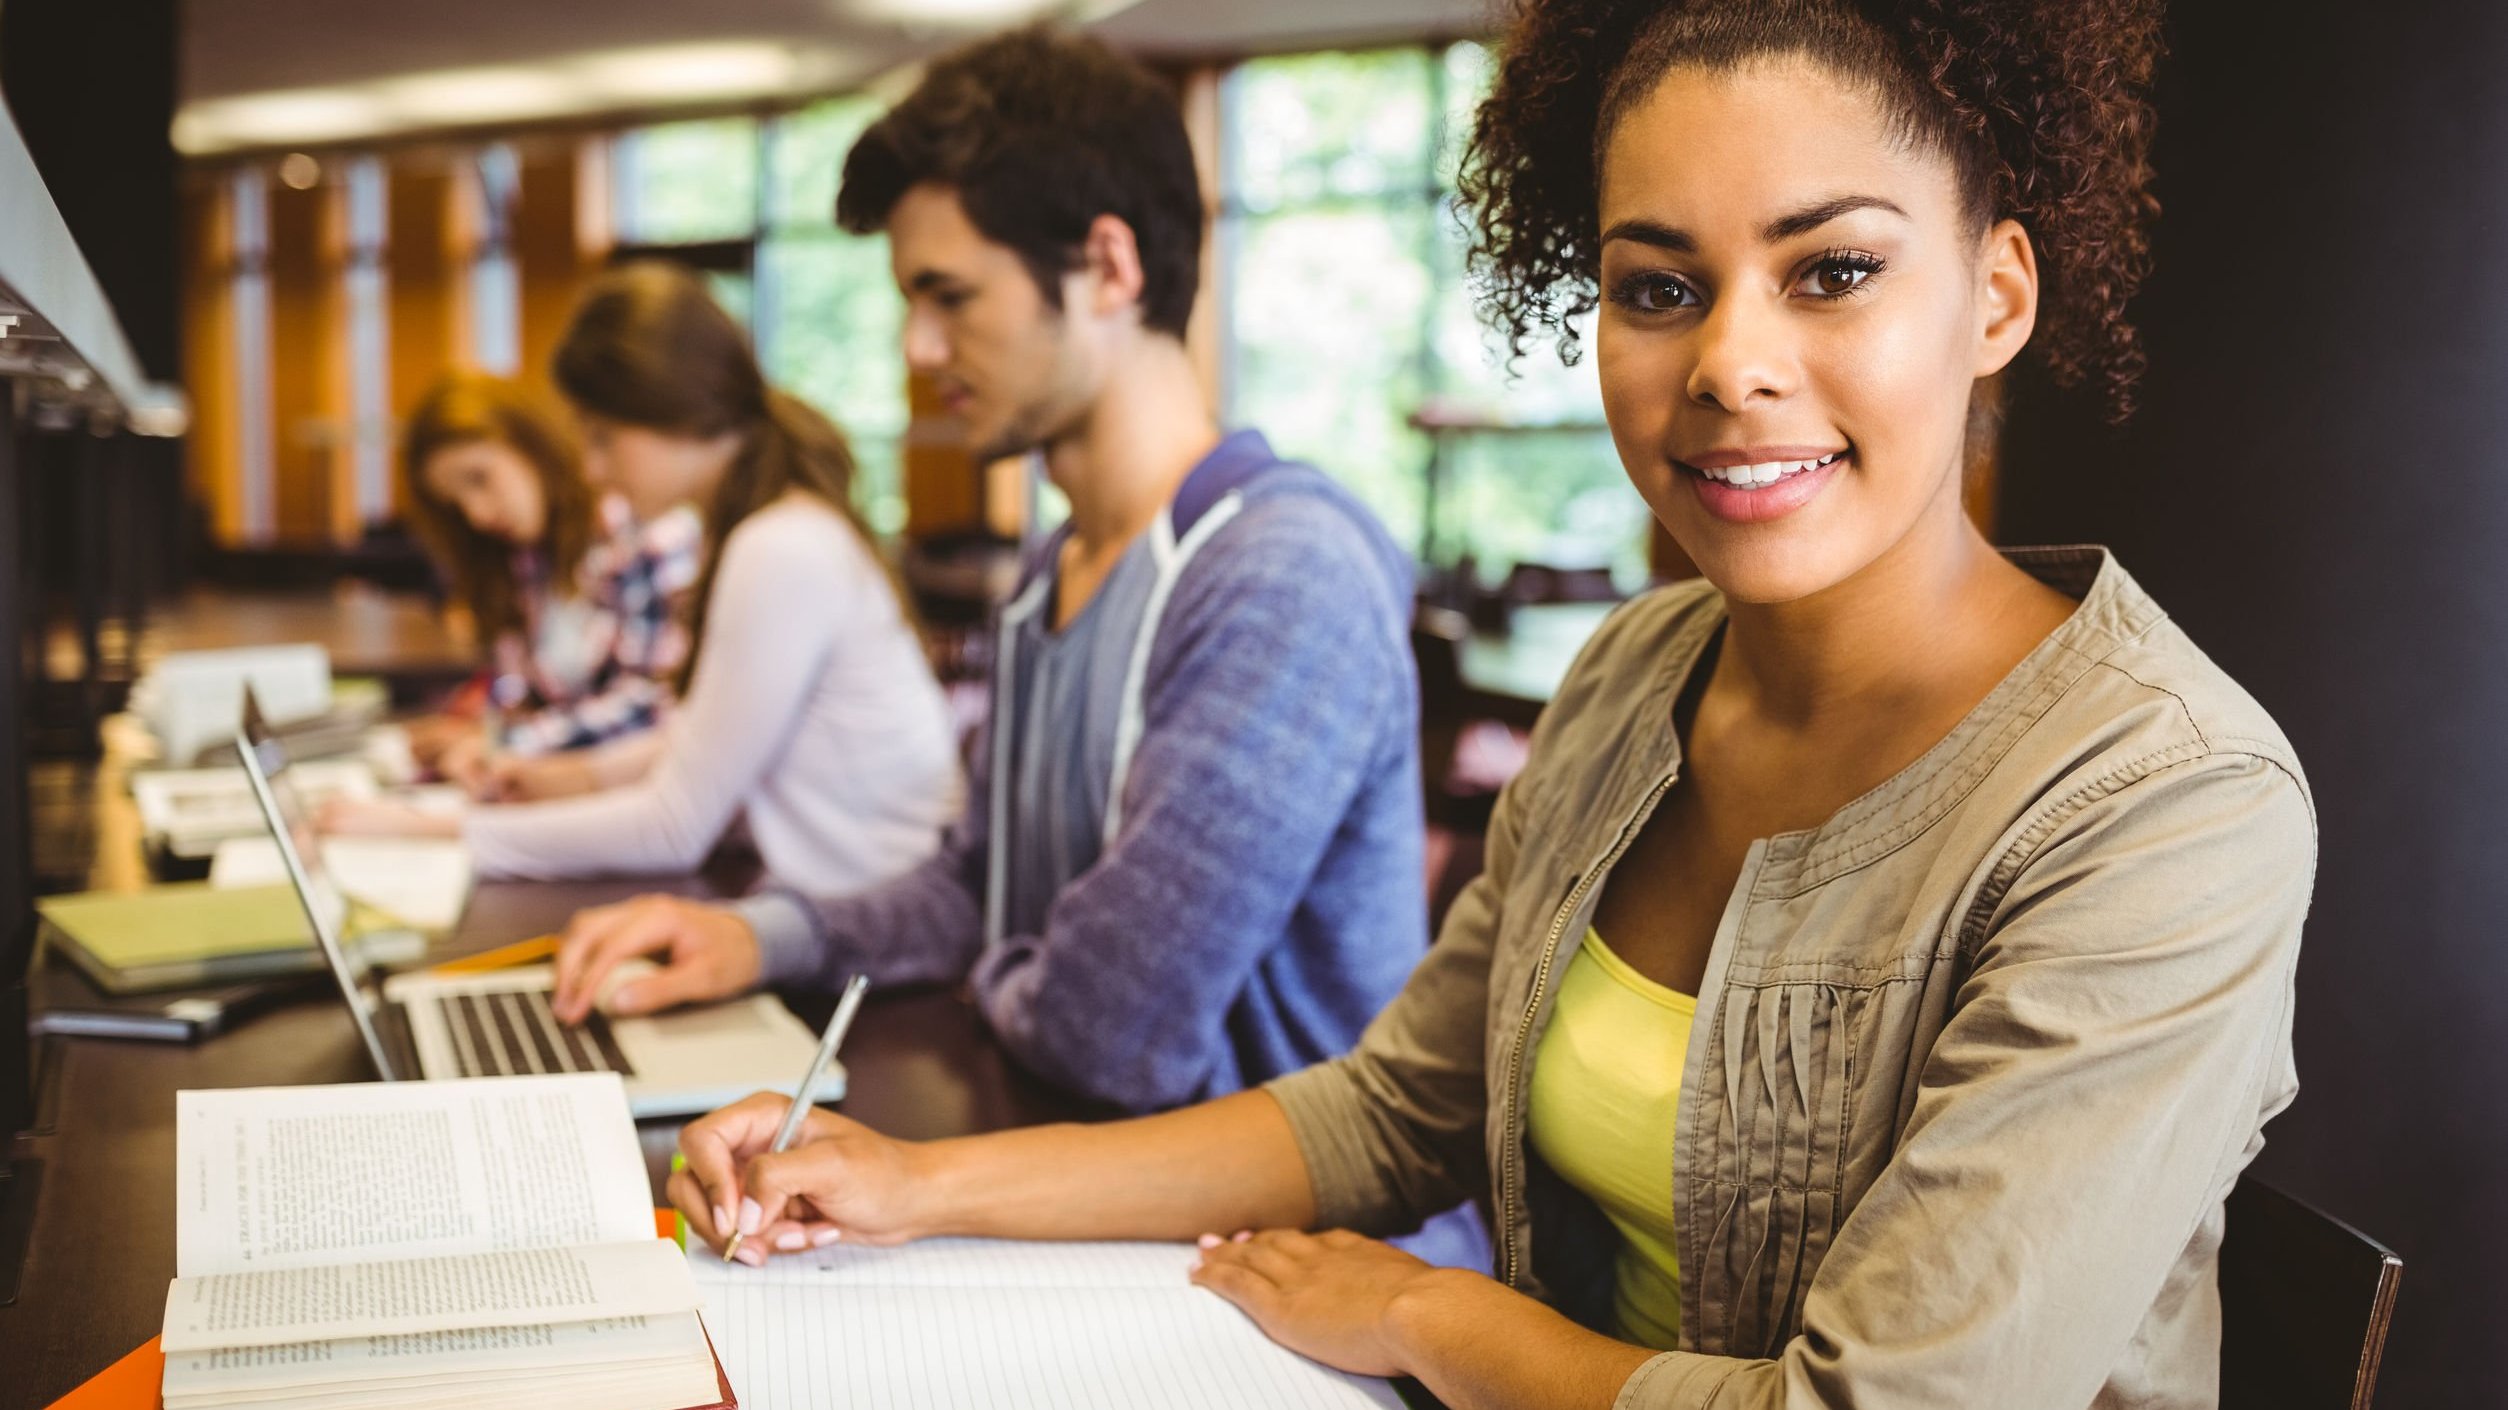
[(1751, 477)]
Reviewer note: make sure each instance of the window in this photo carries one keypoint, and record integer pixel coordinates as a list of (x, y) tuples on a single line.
[(686, 183), (1350, 325), (828, 311), (752, 204), (495, 278)]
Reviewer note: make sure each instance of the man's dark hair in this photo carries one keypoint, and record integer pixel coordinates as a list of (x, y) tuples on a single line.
[(1041, 132)]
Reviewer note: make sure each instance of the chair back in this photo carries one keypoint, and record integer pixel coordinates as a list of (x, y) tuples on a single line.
[(2305, 1303)]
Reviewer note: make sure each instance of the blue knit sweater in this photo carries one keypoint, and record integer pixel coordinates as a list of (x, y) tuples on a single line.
[(1259, 898)]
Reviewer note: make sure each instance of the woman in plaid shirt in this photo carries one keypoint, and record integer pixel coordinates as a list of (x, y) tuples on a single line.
[(583, 606)]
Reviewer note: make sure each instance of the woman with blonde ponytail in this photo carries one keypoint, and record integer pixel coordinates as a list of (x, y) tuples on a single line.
[(809, 713)]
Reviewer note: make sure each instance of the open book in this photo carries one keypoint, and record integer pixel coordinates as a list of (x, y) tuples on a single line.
[(1090, 1326), (421, 1244)]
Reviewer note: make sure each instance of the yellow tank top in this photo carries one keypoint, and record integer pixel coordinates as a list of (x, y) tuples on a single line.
[(1606, 1091)]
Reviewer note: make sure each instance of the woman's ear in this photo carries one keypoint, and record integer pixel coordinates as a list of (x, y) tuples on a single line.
[(2007, 296), (1110, 266)]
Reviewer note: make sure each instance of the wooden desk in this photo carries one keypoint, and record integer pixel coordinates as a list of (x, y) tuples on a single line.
[(921, 1064), (398, 637)]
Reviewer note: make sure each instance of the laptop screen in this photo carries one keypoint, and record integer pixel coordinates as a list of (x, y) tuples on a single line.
[(264, 756)]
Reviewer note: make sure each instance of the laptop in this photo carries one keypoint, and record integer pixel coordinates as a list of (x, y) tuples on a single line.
[(499, 1023)]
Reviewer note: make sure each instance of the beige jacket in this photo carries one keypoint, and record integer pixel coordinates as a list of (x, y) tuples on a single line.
[(1976, 1061)]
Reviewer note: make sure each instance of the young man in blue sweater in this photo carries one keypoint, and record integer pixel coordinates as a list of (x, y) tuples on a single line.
[(1191, 857)]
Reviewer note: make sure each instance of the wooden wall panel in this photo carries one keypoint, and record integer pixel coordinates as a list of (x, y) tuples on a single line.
[(1198, 95), (213, 459), (558, 241), (425, 254), (315, 492), (944, 486)]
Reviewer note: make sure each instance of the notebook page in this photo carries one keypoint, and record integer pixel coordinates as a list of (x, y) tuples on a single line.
[(1091, 1326), (821, 1348), (528, 1287), (962, 1263), (303, 1177)]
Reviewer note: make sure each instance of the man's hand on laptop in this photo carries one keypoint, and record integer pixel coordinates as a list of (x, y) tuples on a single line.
[(706, 952)]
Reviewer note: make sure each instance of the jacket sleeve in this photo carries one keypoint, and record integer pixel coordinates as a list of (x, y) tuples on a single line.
[(2100, 1084), (1275, 684), (919, 927)]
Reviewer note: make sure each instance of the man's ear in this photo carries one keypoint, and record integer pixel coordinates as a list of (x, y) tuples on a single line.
[(1110, 266), (2007, 303)]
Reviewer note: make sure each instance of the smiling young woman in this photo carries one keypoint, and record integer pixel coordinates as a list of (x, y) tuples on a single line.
[(1883, 967)]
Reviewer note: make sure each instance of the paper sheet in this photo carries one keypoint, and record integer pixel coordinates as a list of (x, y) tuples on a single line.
[(985, 1322), (214, 803), (300, 1177), (400, 1297), (421, 882)]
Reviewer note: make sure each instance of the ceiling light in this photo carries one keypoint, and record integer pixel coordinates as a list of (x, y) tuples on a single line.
[(947, 14), (685, 72), (470, 97), (280, 118), (657, 76), (299, 172)]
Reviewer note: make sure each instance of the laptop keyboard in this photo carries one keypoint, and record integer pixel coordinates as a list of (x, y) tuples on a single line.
[(508, 1032)]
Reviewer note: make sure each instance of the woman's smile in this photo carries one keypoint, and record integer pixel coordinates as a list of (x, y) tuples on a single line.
[(1755, 486)]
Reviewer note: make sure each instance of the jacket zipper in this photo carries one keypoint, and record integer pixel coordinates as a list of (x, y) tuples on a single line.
[(1507, 1184)]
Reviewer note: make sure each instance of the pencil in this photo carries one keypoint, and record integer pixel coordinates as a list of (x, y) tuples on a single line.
[(530, 951), (837, 1023)]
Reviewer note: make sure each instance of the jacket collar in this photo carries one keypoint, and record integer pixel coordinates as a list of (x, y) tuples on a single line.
[(2113, 610)]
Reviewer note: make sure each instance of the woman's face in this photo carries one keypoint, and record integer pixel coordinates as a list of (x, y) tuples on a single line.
[(652, 470), (1795, 309), (493, 487)]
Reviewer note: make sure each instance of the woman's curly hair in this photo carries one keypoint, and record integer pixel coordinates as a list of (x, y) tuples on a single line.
[(2042, 106)]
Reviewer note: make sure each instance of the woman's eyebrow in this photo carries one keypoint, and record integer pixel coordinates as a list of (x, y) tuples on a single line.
[(1648, 232), (1784, 227), (1810, 218)]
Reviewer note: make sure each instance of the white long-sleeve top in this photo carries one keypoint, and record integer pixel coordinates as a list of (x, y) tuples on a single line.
[(813, 715)]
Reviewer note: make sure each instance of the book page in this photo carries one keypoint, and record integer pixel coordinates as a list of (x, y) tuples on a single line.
[(419, 1357), (302, 1177), (528, 1287)]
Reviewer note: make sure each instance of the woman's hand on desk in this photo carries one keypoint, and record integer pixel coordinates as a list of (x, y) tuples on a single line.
[(706, 953), (467, 764), (374, 817), (431, 737), (841, 1179), (1364, 1306), (1331, 1296)]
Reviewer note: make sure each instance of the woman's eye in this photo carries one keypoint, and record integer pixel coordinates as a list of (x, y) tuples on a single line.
[(1838, 275), (1654, 293)]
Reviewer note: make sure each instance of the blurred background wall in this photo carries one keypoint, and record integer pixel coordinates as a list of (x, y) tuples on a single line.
[(2315, 489)]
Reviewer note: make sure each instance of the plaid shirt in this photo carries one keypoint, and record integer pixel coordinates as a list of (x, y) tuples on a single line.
[(597, 664)]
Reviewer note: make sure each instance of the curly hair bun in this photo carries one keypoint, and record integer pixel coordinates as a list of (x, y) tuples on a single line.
[(2043, 107)]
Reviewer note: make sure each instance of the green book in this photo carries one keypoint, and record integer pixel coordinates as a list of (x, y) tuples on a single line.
[(183, 936)]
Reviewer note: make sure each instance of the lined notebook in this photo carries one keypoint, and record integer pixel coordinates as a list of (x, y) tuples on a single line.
[(1091, 1326)]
